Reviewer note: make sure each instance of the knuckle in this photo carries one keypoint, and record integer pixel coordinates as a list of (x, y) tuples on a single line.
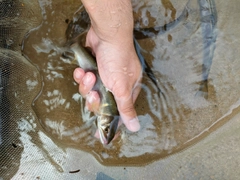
[(127, 110), (122, 92)]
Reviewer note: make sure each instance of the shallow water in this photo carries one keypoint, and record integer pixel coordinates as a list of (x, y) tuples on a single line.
[(190, 108), (169, 122)]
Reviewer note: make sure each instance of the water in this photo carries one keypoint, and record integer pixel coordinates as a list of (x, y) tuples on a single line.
[(188, 131), (194, 90)]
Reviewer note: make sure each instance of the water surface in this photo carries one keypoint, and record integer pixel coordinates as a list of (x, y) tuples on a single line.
[(196, 65), (191, 73)]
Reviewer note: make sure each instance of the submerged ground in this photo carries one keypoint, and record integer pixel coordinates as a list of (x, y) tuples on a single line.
[(41, 102)]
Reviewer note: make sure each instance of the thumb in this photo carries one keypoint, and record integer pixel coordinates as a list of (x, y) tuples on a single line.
[(128, 114)]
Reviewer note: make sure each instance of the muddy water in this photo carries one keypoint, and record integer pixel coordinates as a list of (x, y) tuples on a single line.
[(196, 96)]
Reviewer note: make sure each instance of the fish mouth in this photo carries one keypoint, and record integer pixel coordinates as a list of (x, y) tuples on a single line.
[(107, 126)]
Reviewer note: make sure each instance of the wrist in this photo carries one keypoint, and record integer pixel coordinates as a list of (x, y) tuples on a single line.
[(110, 18), (91, 5)]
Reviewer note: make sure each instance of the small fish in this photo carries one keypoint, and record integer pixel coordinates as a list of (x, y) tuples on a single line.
[(107, 114)]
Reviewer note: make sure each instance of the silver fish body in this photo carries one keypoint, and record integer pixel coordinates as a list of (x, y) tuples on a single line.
[(107, 115)]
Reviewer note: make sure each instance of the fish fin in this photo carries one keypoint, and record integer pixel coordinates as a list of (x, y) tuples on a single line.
[(112, 129), (102, 133)]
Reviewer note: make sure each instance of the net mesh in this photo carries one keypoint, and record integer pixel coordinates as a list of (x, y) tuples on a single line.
[(16, 72)]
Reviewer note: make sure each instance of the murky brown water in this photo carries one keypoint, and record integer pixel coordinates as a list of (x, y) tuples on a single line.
[(170, 123), (176, 55)]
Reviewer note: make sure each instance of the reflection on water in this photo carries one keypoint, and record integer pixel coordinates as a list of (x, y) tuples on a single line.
[(180, 55)]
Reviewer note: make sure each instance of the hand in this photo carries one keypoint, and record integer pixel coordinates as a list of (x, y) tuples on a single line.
[(111, 40)]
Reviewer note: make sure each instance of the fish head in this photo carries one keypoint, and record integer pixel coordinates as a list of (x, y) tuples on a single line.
[(107, 126)]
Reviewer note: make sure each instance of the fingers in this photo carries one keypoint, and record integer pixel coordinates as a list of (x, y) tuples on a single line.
[(125, 105), (86, 81), (128, 114), (78, 75), (136, 91), (93, 101)]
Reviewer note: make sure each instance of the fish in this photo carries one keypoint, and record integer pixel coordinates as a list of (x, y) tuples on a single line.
[(107, 114)]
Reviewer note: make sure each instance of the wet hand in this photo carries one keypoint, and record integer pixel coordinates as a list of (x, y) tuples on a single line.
[(111, 40), (121, 75)]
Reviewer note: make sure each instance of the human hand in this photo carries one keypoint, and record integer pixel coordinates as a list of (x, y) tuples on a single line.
[(111, 40)]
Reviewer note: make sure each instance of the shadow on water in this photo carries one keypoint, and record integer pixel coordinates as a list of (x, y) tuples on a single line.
[(177, 40)]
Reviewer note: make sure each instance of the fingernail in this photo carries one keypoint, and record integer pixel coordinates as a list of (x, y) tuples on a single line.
[(87, 79), (134, 124), (90, 98), (77, 74)]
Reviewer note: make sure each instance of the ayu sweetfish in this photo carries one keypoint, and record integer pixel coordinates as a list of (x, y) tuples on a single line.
[(107, 113)]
